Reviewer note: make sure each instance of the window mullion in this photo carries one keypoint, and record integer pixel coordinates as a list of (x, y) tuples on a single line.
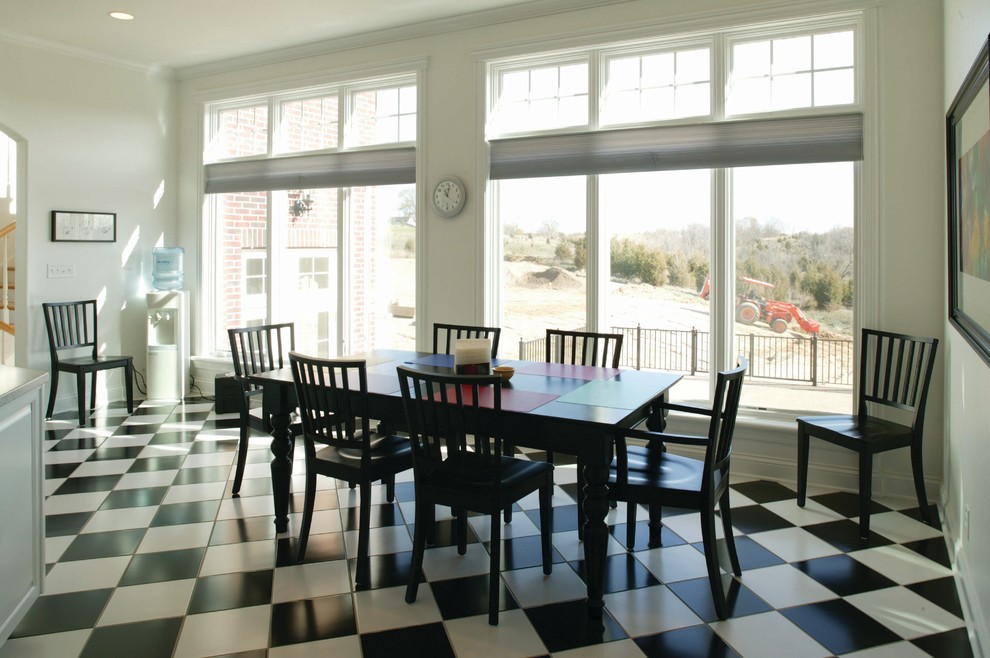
[(598, 259), (722, 265)]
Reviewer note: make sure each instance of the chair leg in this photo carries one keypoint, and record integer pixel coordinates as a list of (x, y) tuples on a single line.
[(546, 525), (81, 397), (309, 503), (918, 467), (423, 522), (92, 390), (363, 577), (52, 390), (711, 561), (460, 527), (508, 450), (730, 539), (656, 526), (582, 496), (493, 573), (431, 524), (630, 525), (242, 451), (129, 386), (865, 492), (802, 466)]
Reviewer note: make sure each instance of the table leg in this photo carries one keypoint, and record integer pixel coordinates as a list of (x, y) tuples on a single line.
[(281, 468), (595, 529)]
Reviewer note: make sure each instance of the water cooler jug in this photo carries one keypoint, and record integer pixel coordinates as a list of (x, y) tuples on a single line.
[(168, 344)]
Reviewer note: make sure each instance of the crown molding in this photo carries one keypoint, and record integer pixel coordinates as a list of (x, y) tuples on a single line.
[(426, 28), (87, 55)]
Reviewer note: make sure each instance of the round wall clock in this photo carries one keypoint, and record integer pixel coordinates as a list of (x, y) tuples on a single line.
[(449, 196)]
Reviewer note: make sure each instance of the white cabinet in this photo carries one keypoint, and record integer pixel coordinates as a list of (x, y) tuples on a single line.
[(22, 540)]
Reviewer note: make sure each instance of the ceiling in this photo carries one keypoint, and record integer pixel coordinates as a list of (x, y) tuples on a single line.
[(174, 34)]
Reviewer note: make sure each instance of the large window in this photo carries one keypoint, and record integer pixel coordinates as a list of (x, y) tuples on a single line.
[(703, 208), (309, 225)]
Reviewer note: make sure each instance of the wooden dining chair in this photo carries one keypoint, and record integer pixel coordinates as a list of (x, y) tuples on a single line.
[(257, 349), (339, 443), (652, 475), (581, 348), (73, 329), (458, 462), (895, 371), (584, 348), (445, 335)]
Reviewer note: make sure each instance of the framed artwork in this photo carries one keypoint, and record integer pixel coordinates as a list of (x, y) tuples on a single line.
[(72, 226), (968, 169)]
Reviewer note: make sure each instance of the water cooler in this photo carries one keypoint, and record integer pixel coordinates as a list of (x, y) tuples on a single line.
[(168, 344)]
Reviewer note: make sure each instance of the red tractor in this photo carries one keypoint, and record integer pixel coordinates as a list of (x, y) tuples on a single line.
[(751, 307)]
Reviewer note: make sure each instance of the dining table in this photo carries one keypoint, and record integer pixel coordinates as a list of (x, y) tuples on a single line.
[(568, 409)]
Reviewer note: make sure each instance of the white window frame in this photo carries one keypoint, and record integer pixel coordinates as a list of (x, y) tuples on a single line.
[(381, 160), (867, 286)]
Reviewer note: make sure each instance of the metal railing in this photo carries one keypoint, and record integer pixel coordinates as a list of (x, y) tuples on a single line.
[(789, 358)]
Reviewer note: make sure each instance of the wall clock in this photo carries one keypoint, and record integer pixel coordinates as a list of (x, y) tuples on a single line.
[(449, 196)]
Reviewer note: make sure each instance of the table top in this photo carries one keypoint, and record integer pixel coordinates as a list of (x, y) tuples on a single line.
[(591, 394)]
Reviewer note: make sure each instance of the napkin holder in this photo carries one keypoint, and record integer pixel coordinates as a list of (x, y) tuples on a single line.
[(472, 356)]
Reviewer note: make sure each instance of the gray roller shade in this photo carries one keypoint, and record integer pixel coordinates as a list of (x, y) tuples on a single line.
[(304, 172), (792, 140)]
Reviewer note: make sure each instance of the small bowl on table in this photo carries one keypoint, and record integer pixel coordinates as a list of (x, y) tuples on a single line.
[(505, 371)]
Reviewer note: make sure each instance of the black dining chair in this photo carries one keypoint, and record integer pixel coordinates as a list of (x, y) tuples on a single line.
[(72, 327), (582, 348), (585, 348), (458, 462), (895, 371), (652, 475), (333, 404), (257, 349), (446, 335)]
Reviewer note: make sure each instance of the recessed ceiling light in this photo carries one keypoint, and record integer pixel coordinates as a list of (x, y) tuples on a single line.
[(121, 16)]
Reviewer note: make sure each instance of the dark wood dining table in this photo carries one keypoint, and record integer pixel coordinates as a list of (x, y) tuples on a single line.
[(575, 410)]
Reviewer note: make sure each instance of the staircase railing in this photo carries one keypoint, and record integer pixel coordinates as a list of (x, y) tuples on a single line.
[(7, 269)]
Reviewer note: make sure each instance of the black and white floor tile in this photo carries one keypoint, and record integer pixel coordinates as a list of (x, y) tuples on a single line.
[(148, 555)]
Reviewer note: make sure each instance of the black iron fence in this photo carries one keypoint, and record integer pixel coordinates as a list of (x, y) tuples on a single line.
[(789, 358)]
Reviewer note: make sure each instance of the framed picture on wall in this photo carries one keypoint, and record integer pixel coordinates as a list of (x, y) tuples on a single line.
[(968, 169), (74, 226)]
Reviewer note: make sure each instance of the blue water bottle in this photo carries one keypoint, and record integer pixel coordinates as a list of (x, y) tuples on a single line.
[(167, 271)]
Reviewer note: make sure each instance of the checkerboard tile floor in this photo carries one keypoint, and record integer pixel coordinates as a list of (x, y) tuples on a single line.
[(148, 555)]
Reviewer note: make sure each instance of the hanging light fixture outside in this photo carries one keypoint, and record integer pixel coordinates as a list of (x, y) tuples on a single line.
[(301, 206)]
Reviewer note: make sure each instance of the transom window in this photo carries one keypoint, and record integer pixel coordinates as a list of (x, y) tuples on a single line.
[(542, 98), (809, 70), (383, 116), (657, 86)]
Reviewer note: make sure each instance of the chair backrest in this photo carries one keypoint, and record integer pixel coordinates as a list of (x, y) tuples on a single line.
[(447, 427), (583, 348), (261, 348), (895, 371), (70, 326), (725, 408), (333, 402), (445, 335)]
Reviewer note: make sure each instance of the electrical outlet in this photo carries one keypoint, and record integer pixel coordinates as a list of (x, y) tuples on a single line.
[(61, 271)]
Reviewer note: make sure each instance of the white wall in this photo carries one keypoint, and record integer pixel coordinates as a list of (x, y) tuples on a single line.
[(95, 137), (967, 381)]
